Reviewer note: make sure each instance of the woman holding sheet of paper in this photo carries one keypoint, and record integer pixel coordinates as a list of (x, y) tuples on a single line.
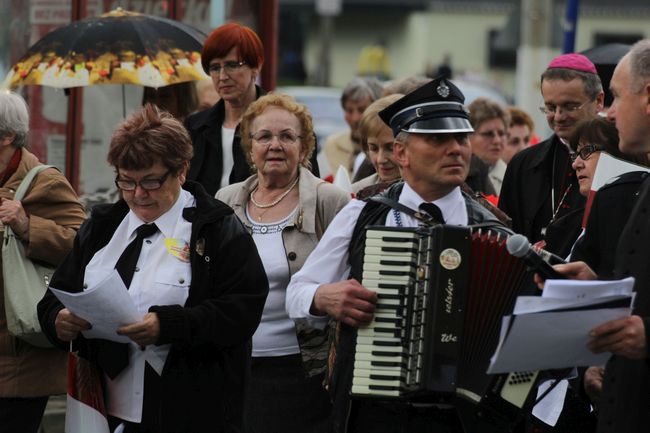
[(191, 270)]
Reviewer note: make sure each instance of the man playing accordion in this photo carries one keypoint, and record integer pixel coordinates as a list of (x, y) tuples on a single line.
[(431, 129)]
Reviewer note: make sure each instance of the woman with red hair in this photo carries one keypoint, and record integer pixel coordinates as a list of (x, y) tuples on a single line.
[(233, 56)]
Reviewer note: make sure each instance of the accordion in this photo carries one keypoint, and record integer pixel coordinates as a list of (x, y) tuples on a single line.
[(442, 292)]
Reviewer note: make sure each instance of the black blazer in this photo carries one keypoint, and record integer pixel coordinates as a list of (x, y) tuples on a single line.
[(526, 190), (626, 387)]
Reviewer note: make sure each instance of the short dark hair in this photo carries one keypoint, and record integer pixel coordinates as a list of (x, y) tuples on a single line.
[(149, 135), (483, 109), (233, 35), (592, 84), (602, 132)]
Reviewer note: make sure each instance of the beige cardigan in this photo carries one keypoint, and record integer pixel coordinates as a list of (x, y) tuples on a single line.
[(318, 203)]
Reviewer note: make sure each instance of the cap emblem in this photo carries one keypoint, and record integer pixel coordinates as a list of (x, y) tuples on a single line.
[(443, 89)]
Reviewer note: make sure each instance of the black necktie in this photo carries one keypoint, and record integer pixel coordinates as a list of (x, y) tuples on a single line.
[(127, 262), (433, 211), (113, 357)]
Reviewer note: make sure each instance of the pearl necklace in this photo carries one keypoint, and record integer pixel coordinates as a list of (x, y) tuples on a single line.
[(274, 202)]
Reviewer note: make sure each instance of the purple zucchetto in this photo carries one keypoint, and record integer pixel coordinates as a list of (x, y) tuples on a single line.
[(574, 61)]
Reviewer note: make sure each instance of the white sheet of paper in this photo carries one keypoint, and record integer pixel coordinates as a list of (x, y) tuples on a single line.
[(543, 341), (550, 407), (107, 306), (586, 289), (536, 304)]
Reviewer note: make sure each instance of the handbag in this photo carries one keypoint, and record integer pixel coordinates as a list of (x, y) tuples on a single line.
[(25, 281)]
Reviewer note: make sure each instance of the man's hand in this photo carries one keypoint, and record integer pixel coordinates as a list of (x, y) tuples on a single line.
[(593, 382), (623, 337), (144, 332), (347, 301), (68, 325), (13, 215), (573, 271)]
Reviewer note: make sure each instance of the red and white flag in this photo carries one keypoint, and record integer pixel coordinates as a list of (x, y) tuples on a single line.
[(85, 410)]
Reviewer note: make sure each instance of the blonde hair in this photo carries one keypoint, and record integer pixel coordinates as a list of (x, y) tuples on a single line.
[(371, 124)]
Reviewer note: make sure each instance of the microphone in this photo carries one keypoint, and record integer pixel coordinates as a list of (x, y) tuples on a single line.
[(518, 246)]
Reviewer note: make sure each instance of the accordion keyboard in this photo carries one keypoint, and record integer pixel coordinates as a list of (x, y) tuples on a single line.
[(381, 364)]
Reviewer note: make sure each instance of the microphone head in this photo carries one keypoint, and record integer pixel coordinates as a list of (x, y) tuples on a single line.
[(518, 245)]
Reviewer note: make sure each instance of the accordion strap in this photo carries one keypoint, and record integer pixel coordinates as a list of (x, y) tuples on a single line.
[(420, 216)]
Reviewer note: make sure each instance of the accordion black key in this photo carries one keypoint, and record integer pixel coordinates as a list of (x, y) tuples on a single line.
[(442, 292)]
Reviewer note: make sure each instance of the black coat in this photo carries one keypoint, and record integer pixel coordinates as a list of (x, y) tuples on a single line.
[(204, 377), (527, 185), (625, 400), (206, 166), (609, 214)]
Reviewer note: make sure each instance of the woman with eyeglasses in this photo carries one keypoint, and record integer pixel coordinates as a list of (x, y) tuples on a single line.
[(233, 56), (286, 209), (193, 275), (490, 122), (592, 137)]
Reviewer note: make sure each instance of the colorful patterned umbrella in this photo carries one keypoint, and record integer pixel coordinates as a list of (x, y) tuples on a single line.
[(119, 47)]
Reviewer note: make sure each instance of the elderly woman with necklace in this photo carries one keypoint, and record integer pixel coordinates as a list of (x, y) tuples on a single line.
[(286, 209)]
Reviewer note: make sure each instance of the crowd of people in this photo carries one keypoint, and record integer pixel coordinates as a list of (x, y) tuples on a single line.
[(247, 267)]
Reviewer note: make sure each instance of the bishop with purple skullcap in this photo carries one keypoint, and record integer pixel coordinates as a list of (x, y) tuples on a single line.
[(574, 61)]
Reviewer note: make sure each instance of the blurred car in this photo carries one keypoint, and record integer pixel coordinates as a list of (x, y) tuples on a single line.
[(324, 104)]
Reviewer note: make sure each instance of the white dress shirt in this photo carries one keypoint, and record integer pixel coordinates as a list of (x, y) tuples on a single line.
[(161, 278), (227, 160), (496, 174), (328, 263)]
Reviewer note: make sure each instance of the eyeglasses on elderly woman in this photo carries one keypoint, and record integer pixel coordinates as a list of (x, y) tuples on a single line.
[(585, 152), (265, 137)]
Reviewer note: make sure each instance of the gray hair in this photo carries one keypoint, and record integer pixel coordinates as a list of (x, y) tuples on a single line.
[(14, 117), (592, 84), (361, 88), (640, 64)]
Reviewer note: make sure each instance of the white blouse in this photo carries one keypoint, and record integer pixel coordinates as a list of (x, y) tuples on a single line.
[(163, 276)]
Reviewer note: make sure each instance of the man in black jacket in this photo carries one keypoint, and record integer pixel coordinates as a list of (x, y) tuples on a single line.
[(623, 403), (540, 186)]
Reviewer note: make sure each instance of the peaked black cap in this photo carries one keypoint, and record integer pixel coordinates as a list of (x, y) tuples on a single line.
[(434, 108)]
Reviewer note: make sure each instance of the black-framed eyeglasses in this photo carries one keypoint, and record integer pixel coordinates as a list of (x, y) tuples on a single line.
[(228, 67), (586, 152), (146, 184), (265, 137), (550, 109)]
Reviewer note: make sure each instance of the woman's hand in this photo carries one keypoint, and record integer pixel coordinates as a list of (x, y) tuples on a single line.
[(68, 325), (144, 332), (572, 270), (13, 214)]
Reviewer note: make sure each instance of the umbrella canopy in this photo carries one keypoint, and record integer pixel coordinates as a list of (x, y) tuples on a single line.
[(119, 47)]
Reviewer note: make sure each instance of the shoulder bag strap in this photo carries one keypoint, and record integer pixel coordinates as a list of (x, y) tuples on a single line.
[(28, 179), (24, 187)]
